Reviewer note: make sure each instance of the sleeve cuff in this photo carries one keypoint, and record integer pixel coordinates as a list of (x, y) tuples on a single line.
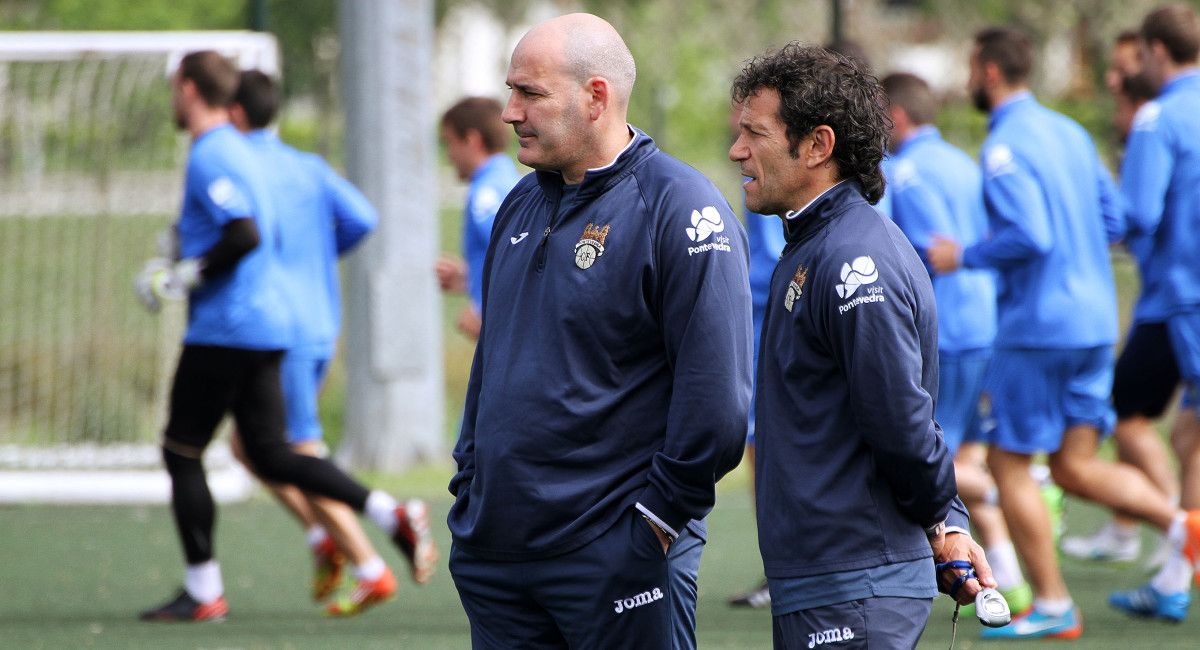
[(666, 528), (957, 519), (969, 258), (956, 529)]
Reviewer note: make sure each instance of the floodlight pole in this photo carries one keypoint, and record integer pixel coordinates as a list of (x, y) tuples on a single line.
[(393, 329)]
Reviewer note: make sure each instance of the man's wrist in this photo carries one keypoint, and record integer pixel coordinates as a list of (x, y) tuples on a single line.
[(936, 529), (957, 530)]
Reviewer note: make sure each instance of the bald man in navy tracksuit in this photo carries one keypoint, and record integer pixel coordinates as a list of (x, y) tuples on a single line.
[(611, 383)]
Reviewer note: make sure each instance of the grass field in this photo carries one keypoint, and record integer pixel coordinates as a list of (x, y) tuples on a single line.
[(75, 577)]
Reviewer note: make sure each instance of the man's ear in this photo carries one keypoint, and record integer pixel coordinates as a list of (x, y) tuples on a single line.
[(237, 115), (820, 147), (992, 75), (599, 96), (474, 138)]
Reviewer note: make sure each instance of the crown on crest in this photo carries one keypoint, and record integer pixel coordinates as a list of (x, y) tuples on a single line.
[(800, 276), (597, 234)]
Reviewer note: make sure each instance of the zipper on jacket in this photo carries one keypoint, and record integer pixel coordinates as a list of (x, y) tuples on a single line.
[(542, 247)]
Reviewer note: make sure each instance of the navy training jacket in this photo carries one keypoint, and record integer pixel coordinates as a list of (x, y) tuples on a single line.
[(614, 363), (851, 466)]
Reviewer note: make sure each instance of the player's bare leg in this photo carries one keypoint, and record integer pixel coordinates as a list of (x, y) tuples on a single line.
[(1121, 487), (978, 492), (1140, 445), (1028, 521), (1185, 439), (1167, 595), (347, 539)]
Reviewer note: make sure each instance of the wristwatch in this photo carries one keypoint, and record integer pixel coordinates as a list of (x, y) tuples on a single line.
[(936, 529)]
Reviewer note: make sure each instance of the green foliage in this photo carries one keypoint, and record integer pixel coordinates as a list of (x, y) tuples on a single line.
[(307, 33), (122, 15)]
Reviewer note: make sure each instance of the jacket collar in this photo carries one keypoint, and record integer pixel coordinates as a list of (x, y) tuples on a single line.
[(1189, 77), (597, 181), (920, 134), (1015, 103), (798, 226)]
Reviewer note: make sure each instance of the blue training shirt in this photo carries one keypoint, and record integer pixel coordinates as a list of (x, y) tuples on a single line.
[(489, 185), (321, 216), (1052, 210), (1160, 178), (936, 190), (765, 234), (884, 205), (244, 308)]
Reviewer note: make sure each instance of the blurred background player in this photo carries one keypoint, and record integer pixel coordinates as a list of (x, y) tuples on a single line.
[(1051, 372), (1146, 375), (1124, 60), (766, 242), (1159, 177), (476, 139), (936, 189), (239, 324), (321, 216)]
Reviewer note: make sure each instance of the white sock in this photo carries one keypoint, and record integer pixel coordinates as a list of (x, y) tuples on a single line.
[(1040, 473), (1177, 531), (1123, 531), (203, 581), (370, 570), (1174, 576), (1053, 606), (381, 510), (1005, 567), (316, 536)]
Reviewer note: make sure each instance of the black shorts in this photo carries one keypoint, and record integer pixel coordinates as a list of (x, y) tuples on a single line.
[(211, 381), (1146, 374)]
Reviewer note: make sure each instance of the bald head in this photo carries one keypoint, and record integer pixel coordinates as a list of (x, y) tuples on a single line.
[(584, 46)]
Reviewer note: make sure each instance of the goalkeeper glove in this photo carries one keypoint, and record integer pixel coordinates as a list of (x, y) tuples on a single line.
[(160, 280)]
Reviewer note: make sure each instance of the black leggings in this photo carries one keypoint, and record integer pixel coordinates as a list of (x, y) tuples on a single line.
[(209, 382)]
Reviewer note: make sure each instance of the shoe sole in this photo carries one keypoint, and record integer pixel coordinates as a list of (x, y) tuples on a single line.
[(359, 608), (423, 561)]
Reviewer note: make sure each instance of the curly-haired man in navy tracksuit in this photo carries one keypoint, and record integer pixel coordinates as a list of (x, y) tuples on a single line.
[(855, 485), (611, 383)]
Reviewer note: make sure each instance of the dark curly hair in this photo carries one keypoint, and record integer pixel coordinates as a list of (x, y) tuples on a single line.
[(817, 86)]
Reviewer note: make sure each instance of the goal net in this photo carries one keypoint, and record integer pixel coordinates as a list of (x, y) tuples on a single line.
[(91, 170)]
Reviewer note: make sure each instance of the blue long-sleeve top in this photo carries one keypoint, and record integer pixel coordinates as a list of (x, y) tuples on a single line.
[(488, 186), (765, 233), (321, 216), (245, 308), (613, 367), (850, 464), (936, 190), (1052, 210), (1160, 178)]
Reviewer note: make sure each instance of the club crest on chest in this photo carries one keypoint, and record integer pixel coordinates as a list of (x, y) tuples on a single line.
[(590, 246), (795, 287)]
